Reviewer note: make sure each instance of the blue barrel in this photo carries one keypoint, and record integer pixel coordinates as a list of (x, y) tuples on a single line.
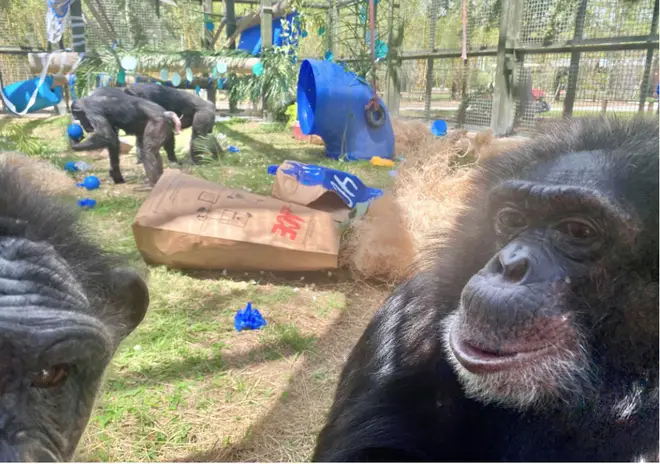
[(19, 94), (331, 104)]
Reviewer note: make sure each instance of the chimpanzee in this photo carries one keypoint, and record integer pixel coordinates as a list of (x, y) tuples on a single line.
[(108, 109), (65, 305), (193, 111), (534, 336)]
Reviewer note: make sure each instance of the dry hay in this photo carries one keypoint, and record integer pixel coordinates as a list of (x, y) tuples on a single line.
[(41, 173), (427, 195), (389, 240)]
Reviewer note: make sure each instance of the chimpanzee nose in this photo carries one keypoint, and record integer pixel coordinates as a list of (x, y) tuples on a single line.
[(512, 263)]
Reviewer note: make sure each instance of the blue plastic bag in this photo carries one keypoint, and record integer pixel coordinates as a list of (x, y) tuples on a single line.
[(348, 186), (248, 319)]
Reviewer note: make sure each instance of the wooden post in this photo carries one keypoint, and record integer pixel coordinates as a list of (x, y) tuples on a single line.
[(333, 23), (574, 67), (393, 90), (207, 7), (503, 113), (429, 63), (644, 88), (230, 19), (266, 24), (266, 42), (207, 40)]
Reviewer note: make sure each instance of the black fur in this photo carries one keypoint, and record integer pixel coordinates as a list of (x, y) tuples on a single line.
[(191, 109), (109, 109), (65, 305), (400, 398)]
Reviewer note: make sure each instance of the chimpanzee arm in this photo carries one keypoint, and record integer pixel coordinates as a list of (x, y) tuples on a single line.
[(104, 135), (386, 402)]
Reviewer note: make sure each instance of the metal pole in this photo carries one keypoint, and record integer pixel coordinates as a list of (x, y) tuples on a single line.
[(644, 88), (574, 68)]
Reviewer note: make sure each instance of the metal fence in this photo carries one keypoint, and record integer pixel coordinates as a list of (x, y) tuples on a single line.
[(526, 61), (507, 64)]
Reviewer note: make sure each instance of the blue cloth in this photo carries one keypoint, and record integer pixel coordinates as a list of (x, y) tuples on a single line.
[(248, 319)]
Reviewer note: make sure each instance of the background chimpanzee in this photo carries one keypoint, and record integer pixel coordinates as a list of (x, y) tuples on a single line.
[(108, 109), (535, 335), (191, 109), (65, 305)]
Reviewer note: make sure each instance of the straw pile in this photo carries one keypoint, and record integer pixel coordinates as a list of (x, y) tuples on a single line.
[(427, 195)]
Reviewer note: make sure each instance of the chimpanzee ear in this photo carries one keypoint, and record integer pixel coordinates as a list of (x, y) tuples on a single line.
[(131, 296)]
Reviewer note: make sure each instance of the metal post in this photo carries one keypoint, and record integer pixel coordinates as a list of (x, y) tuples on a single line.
[(574, 68), (502, 117), (644, 89), (77, 26)]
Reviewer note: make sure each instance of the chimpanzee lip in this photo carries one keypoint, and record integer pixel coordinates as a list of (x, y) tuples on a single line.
[(482, 360)]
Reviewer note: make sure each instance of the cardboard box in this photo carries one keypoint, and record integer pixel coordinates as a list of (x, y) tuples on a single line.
[(187, 222)]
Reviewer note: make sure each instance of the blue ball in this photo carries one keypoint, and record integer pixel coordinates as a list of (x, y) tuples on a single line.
[(90, 183), (75, 131)]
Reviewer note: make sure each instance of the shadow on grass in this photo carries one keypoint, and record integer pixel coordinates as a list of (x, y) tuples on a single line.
[(295, 408)]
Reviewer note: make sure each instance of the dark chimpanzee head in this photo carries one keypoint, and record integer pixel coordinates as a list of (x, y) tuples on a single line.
[(78, 112), (560, 248), (64, 307)]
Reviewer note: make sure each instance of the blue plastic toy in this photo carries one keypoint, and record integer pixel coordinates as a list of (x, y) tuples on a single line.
[(233, 149), (70, 166), (349, 187), (87, 203), (439, 128), (75, 131), (90, 183), (248, 319), (75, 166), (332, 104)]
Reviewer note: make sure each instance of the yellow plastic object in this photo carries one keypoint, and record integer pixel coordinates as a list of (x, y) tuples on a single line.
[(378, 161)]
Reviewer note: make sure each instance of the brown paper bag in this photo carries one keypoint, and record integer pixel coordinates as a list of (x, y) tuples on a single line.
[(287, 188), (187, 222)]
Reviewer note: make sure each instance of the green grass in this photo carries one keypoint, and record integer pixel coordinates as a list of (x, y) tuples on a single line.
[(185, 382)]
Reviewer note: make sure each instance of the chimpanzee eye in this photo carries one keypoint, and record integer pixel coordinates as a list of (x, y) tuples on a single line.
[(51, 376), (511, 219), (577, 230)]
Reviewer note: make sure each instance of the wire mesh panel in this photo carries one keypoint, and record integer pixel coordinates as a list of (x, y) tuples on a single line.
[(138, 23), (547, 21), (617, 18), (541, 87)]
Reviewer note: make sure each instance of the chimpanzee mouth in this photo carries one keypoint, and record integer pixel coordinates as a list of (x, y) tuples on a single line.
[(482, 360)]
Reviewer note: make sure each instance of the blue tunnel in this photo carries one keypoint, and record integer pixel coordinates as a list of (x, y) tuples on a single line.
[(331, 104)]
